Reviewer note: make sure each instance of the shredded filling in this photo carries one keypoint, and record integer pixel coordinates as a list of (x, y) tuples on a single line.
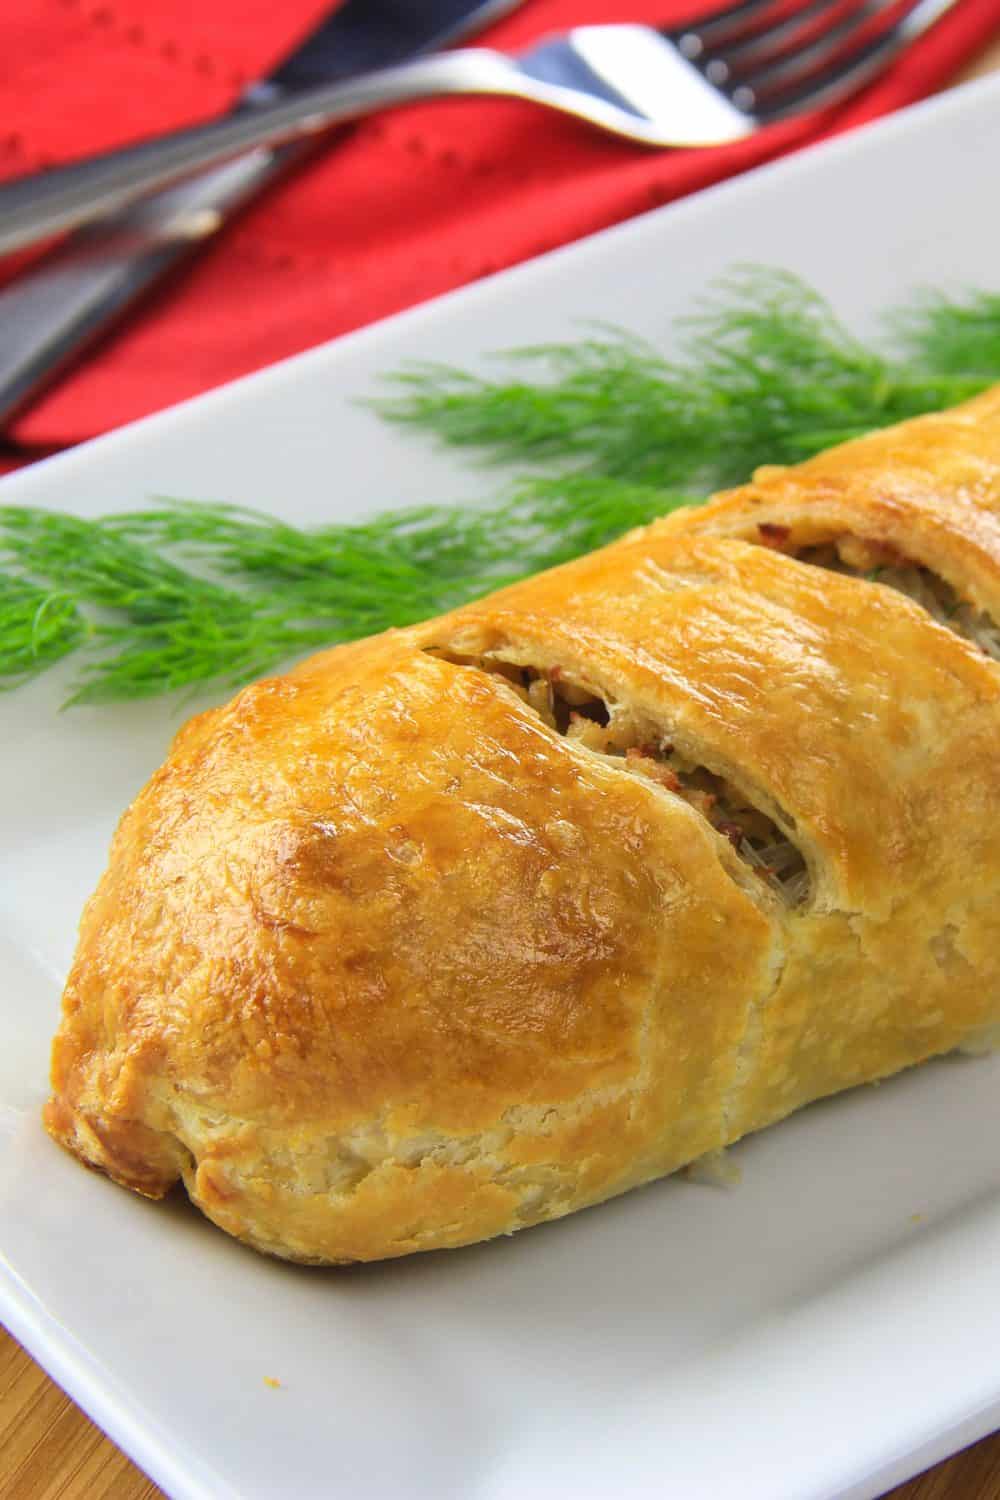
[(611, 730), (882, 563)]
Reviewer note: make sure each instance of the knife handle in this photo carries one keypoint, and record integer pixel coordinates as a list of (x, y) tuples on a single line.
[(53, 312)]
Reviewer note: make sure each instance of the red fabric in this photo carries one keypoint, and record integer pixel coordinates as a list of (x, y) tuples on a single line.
[(404, 207)]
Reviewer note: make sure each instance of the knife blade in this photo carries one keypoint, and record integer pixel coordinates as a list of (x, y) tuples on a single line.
[(59, 308)]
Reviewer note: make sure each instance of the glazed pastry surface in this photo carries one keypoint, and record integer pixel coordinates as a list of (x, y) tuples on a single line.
[(467, 926)]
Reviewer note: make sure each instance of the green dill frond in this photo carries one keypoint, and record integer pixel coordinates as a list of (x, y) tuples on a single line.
[(954, 337), (38, 627), (179, 595), (765, 373)]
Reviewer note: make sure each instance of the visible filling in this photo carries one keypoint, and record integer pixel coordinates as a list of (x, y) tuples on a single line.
[(612, 730), (882, 563)]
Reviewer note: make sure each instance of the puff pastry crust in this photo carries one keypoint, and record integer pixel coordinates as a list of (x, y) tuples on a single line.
[(470, 925)]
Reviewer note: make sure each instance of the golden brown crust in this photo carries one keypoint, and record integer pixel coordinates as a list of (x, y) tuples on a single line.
[(930, 488), (382, 961)]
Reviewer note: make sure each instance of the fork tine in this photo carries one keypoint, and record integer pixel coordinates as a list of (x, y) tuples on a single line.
[(774, 41), (849, 72), (827, 47), (769, 31), (694, 37)]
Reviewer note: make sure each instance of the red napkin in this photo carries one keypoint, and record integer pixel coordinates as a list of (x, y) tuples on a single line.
[(403, 207)]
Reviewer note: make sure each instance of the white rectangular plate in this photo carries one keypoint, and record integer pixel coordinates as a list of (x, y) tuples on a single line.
[(825, 1330)]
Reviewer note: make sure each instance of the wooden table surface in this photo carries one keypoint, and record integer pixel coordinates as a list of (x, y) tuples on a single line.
[(50, 1451)]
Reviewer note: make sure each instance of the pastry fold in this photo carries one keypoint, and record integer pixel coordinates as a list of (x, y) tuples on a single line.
[(461, 928)]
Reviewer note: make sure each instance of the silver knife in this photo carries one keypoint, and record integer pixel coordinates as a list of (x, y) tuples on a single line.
[(59, 308)]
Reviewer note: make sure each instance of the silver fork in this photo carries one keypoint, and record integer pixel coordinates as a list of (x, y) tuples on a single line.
[(714, 81)]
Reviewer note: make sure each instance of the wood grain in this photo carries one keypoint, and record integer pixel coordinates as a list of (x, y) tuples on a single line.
[(987, 62), (50, 1451)]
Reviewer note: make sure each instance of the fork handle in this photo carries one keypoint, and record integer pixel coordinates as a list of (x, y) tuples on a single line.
[(45, 203)]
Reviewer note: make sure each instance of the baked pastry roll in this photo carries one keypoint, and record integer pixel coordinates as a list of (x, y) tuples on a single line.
[(467, 926)]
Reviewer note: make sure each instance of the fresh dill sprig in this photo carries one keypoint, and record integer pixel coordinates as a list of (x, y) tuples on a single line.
[(157, 627), (179, 594), (38, 627), (765, 373), (956, 337), (185, 594)]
